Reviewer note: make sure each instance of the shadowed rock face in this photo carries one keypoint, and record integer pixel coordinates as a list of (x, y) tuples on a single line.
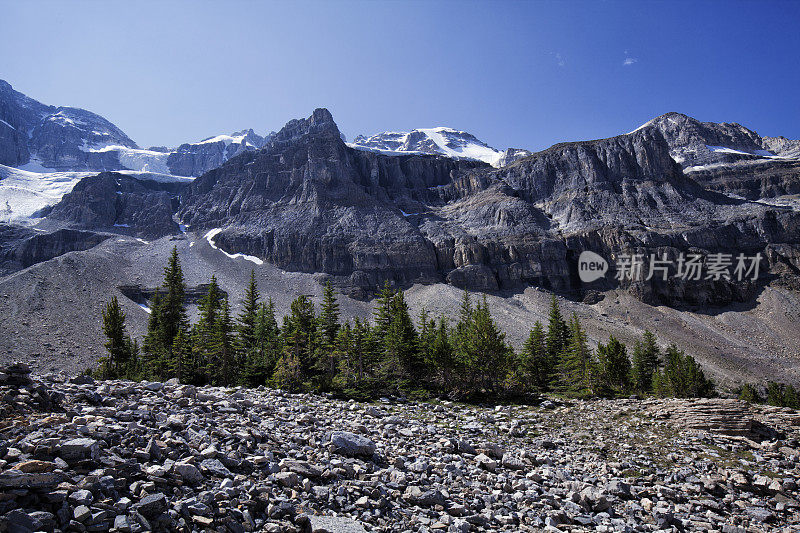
[(22, 247), (18, 115), (119, 203), (307, 202)]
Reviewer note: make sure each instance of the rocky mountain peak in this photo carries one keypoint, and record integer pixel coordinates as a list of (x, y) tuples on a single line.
[(320, 122)]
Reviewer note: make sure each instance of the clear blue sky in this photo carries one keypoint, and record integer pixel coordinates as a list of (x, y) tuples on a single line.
[(521, 74)]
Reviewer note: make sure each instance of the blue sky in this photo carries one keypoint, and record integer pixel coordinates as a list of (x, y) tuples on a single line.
[(521, 74)]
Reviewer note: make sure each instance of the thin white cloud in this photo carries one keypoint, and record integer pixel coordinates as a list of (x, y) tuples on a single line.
[(560, 60), (629, 61)]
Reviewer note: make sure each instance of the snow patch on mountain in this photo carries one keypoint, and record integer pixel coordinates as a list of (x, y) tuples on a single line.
[(443, 141), (24, 194), (209, 236), (228, 140), (137, 159)]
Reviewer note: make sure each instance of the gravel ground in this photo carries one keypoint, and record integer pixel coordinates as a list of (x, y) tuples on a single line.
[(79, 455)]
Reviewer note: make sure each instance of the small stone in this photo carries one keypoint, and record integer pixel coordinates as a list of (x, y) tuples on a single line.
[(17, 520), (79, 450), (188, 473), (82, 497), (215, 468), (486, 462), (35, 467), (287, 479), (122, 523), (82, 513), (152, 505)]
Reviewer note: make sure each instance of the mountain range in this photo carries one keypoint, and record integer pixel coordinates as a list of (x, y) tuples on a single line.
[(431, 210)]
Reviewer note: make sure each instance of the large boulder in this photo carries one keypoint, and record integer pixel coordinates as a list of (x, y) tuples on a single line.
[(351, 445)]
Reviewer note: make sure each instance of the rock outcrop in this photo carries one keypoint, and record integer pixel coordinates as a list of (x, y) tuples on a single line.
[(22, 247), (118, 203), (717, 415)]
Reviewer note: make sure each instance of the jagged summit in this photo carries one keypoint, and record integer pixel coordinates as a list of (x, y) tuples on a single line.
[(320, 122)]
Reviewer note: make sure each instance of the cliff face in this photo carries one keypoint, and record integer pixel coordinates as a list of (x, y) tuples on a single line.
[(114, 202), (307, 202), (22, 247), (18, 116)]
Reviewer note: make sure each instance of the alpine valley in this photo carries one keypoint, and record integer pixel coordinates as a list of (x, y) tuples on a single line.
[(85, 213)]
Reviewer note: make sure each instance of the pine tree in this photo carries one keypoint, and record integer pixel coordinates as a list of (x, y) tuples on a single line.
[(182, 355), (681, 376), (328, 332), (790, 398), (203, 355), (366, 349), (781, 395), (173, 312), (248, 341), (613, 369), (427, 332), (260, 367), (345, 376), (558, 333), (383, 310), (484, 353), (400, 360), (442, 356), (576, 363), (646, 356), (749, 394), (120, 349), (153, 344), (533, 370), (288, 372), (462, 340), (222, 368), (774, 394), (299, 344), (329, 315)]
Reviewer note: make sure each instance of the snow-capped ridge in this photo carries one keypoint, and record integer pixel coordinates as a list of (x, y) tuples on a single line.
[(440, 140)]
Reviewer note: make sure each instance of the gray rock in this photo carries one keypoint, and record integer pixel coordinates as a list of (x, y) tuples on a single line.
[(424, 498), (335, 524), (123, 524), (14, 479), (82, 513), (82, 497), (215, 467), (188, 473), (351, 445), (79, 449), (18, 521), (151, 505)]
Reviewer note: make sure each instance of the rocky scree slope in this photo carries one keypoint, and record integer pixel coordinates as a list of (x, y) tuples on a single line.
[(121, 456)]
